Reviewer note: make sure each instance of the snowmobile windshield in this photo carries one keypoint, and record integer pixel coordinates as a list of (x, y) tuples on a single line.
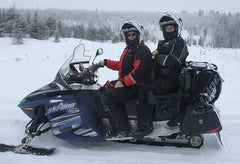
[(78, 60)]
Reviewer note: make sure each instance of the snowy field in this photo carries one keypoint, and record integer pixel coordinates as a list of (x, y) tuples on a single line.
[(25, 68)]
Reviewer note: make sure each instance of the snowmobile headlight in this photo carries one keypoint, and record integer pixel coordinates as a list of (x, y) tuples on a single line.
[(28, 108)]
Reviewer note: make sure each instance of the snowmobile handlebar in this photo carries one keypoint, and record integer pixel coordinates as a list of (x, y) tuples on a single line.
[(86, 76), (83, 75)]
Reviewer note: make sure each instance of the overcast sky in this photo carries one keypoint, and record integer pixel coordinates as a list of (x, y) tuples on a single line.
[(128, 5)]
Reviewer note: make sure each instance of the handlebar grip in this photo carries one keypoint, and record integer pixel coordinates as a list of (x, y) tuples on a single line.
[(95, 67)]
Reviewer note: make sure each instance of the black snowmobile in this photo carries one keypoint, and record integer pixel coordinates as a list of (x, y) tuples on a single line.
[(69, 106)]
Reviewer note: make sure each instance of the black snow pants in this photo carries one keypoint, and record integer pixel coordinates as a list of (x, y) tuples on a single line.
[(113, 100), (144, 109)]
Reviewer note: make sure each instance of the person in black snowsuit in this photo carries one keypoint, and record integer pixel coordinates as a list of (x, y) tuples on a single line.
[(168, 59), (133, 67)]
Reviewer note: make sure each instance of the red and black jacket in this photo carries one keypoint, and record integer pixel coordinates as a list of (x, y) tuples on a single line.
[(134, 65)]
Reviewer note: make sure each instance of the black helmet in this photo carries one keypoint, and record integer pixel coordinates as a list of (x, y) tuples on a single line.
[(170, 19)]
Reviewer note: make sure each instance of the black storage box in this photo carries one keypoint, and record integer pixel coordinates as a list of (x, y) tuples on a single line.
[(200, 119)]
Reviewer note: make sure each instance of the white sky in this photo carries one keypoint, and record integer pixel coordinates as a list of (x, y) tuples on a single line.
[(128, 5)]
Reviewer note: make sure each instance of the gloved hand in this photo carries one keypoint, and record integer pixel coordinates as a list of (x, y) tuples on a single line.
[(101, 63), (165, 47)]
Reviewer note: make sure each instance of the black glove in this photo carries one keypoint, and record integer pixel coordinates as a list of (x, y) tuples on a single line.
[(165, 47)]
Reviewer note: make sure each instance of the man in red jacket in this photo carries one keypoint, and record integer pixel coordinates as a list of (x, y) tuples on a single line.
[(133, 70)]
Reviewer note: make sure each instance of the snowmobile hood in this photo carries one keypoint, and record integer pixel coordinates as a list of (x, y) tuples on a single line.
[(44, 92)]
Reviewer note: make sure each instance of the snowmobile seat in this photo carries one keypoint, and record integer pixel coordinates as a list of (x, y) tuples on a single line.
[(166, 106), (184, 85)]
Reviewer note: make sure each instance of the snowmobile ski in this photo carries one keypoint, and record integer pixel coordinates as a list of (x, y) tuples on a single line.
[(219, 138), (28, 150)]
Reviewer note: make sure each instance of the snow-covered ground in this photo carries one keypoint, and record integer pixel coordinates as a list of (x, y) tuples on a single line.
[(25, 68)]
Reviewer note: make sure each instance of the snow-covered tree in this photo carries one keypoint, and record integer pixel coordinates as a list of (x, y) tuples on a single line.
[(56, 35), (215, 28), (38, 29), (1, 24), (220, 34), (1, 30), (62, 29), (103, 34), (201, 41), (51, 24), (91, 33), (116, 38), (79, 32), (18, 30)]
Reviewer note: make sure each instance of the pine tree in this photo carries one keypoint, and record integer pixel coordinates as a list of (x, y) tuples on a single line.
[(18, 31), (56, 35), (28, 24), (91, 33), (79, 32), (34, 28), (9, 20), (62, 30), (115, 39), (2, 26), (1, 30), (220, 35), (51, 24), (201, 41), (103, 34), (108, 33), (38, 29)]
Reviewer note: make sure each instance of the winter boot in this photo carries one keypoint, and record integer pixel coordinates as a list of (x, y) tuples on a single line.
[(143, 130), (117, 118), (117, 134)]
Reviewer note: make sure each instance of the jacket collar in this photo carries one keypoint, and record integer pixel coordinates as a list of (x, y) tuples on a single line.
[(128, 47)]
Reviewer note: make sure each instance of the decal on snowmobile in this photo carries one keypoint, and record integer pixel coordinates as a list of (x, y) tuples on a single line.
[(63, 118), (71, 123), (54, 101), (85, 132), (84, 87), (63, 123), (211, 90), (60, 107)]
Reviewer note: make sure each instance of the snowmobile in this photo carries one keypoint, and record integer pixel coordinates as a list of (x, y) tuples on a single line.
[(72, 108)]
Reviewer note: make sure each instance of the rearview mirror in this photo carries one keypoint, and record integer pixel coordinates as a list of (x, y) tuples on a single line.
[(99, 52)]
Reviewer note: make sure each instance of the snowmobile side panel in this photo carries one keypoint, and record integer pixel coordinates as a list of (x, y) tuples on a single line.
[(74, 117)]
